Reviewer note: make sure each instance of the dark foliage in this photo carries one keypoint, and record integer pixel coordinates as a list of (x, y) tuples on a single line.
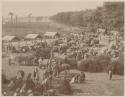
[(72, 62), (109, 16), (119, 65), (100, 64), (43, 53), (4, 79)]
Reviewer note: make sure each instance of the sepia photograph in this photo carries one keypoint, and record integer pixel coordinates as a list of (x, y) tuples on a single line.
[(62, 48)]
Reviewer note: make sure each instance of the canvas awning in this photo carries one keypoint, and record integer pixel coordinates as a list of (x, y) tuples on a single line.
[(10, 38), (50, 34), (32, 36)]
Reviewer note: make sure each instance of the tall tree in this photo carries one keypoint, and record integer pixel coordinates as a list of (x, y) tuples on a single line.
[(11, 16), (16, 19)]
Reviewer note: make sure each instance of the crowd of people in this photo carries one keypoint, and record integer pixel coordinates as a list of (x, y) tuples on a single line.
[(78, 46), (82, 44), (35, 83)]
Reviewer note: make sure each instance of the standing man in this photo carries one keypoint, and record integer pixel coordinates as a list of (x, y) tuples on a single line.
[(11, 60), (36, 75), (110, 71), (110, 74), (55, 69), (40, 61)]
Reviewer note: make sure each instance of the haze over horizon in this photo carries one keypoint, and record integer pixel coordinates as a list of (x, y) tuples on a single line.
[(45, 8)]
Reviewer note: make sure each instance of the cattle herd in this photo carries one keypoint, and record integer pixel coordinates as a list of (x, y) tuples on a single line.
[(80, 46)]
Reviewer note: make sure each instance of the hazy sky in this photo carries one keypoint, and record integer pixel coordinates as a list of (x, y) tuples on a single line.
[(45, 8)]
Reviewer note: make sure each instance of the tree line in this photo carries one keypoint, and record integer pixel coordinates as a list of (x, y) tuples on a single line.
[(110, 16)]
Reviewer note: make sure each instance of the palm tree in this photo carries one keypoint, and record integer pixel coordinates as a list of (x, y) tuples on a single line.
[(11, 15), (29, 16), (16, 19)]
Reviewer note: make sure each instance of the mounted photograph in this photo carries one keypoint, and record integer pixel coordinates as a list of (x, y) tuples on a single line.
[(62, 48)]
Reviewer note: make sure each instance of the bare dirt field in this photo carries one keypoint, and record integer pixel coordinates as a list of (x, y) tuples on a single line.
[(97, 84)]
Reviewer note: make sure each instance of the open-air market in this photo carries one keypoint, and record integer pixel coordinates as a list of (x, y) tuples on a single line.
[(43, 58)]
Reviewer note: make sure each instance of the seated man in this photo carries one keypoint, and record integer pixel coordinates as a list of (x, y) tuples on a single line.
[(81, 77), (74, 79)]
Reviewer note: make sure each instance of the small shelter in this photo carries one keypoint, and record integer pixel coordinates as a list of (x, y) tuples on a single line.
[(51, 35), (10, 39), (32, 37), (9, 42)]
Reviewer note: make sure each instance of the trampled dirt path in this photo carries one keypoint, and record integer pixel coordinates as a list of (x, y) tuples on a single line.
[(98, 84)]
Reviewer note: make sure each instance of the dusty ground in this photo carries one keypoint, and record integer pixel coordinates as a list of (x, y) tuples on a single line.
[(95, 84)]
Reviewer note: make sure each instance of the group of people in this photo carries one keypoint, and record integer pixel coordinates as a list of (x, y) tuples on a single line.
[(94, 50), (30, 85), (35, 83), (78, 78), (82, 44)]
